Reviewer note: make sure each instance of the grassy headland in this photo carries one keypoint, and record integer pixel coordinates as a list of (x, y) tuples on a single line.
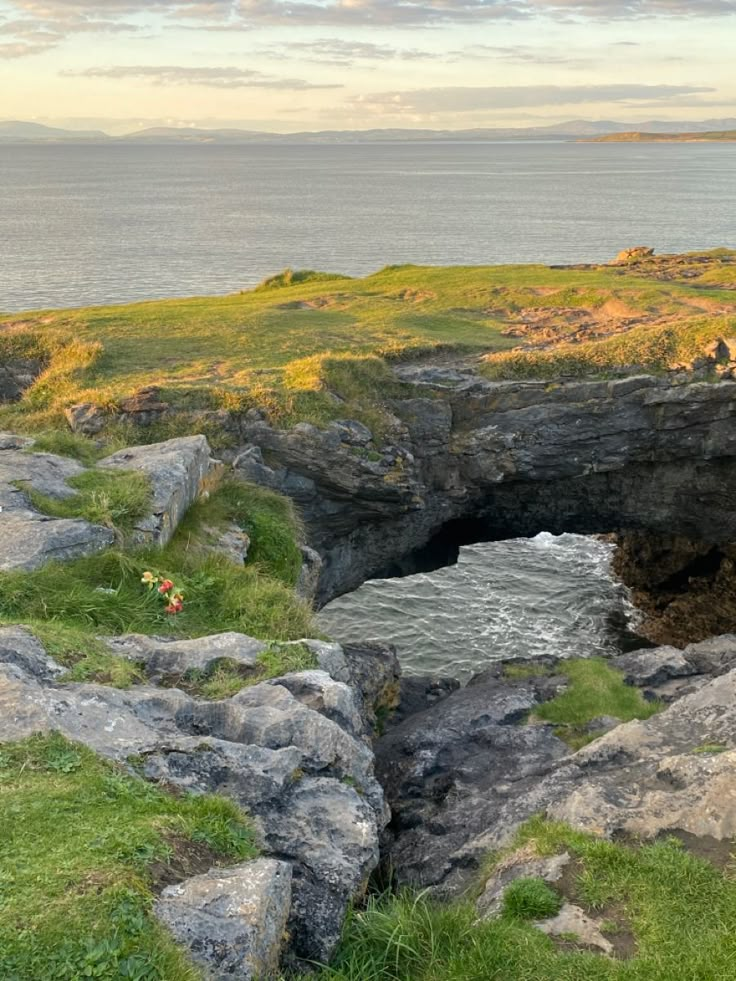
[(314, 346), (717, 136)]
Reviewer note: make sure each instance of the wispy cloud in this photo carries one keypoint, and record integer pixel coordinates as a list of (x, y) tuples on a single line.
[(475, 99), (217, 78)]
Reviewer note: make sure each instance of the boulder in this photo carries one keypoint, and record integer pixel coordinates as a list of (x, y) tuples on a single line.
[(231, 920), (29, 539), (177, 469), (573, 924), (86, 418)]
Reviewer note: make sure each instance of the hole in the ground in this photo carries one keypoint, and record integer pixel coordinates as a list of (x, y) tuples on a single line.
[(523, 597)]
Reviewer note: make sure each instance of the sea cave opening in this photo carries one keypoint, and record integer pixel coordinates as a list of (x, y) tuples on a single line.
[(462, 602)]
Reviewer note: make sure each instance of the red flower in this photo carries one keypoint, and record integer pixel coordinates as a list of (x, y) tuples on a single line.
[(165, 586), (176, 607)]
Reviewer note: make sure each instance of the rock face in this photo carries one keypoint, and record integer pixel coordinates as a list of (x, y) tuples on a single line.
[(232, 920), (177, 469), (294, 752), (478, 460), (462, 775)]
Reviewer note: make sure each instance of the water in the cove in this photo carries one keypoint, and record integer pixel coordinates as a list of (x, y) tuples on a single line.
[(524, 597), (104, 224)]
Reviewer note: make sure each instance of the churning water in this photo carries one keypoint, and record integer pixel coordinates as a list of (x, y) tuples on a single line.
[(523, 597)]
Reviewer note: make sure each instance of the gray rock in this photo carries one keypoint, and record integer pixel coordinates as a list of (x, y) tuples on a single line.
[(292, 752), (309, 574), (16, 375), (512, 457), (20, 647), (231, 920), (86, 418), (177, 469), (522, 864), (168, 659), (571, 921), (29, 540), (652, 667)]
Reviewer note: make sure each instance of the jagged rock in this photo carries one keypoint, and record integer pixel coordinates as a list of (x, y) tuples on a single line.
[(293, 751), (646, 668), (164, 658), (512, 458), (177, 469), (230, 541), (522, 864), (86, 418), (144, 407), (461, 776), (231, 920), (571, 922), (16, 375), (308, 582)]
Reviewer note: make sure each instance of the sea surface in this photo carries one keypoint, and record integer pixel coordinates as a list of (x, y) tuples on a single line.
[(523, 597), (101, 224)]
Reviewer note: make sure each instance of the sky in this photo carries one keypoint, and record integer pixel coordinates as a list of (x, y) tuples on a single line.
[(290, 65)]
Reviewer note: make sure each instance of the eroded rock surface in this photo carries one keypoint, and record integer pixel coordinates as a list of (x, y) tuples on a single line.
[(489, 460), (231, 920), (462, 775), (295, 752)]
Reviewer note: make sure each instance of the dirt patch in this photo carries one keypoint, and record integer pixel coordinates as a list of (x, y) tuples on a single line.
[(720, 854), (336, 300), (411, 295), (612, 920), (188, 858)]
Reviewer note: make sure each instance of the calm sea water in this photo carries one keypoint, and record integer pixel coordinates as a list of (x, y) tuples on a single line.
[(524, 597), (105, 224)]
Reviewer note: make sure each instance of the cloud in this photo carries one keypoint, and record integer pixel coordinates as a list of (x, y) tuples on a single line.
[(216, 78), (342, 53), (469, 99)]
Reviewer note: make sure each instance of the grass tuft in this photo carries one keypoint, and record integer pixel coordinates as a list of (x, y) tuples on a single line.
[(531, 899), (80, 840), (115, 499)]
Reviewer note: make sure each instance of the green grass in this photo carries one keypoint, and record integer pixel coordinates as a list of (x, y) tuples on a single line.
[(116, 499), (681, 910), (80, 839), (595, 689), (530, 899), (103, 594), (226, 677), (290, 346)]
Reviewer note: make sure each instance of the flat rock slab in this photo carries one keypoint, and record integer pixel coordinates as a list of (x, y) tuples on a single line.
[(523, 864), (571, 922), (232, 920), (176, 469), (165, 658)]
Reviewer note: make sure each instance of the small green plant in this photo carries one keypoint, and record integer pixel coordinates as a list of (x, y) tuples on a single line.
[(530, 899), (710, 749)]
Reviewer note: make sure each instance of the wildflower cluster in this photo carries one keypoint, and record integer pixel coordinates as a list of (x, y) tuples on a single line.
[(173, 597)]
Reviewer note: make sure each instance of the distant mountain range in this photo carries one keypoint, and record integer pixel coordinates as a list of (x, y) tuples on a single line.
[(718, 136), (24, 132)]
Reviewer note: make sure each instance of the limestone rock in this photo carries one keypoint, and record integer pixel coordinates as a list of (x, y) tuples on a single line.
[(232, 920), (20, 647), (177, 469), (29, 539), (571, 921), (522, 864), (86, 418), (167, 659)]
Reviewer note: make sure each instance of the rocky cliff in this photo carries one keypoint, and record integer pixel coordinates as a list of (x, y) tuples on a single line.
[(468, 460)]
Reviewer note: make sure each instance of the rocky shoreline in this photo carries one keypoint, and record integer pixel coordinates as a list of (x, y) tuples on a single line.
[(344, 767)]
